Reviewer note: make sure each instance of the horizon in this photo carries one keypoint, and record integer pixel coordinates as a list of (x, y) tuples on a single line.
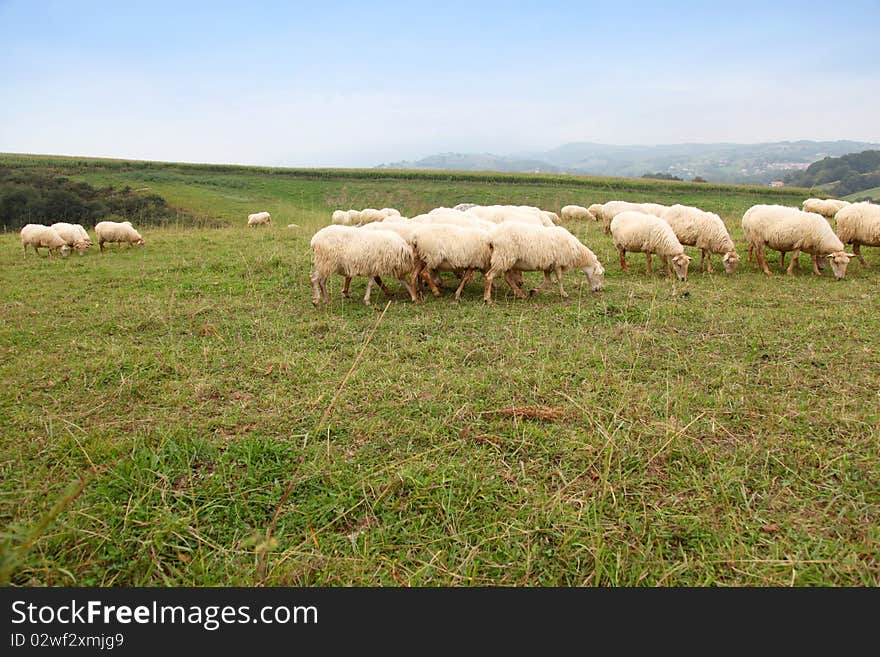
[(338, 86)]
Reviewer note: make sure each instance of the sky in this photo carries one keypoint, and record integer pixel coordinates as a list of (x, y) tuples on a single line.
[(362, 83)]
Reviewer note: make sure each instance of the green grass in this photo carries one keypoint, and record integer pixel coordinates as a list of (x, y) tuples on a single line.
[(721, 432), (873, 193)]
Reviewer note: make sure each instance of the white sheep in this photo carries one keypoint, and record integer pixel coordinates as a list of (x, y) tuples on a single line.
[(788, 229), (607, 211), (826, 207), (520, 247), (648, 234), (704, 230), (259, 219), (112, 231), (353, 252), (340, 217), (390, 212), (39, 236), (370, 214), (858, 224), (447, 247), (501, 213), (454, 217), (75, 235), (575, 213)]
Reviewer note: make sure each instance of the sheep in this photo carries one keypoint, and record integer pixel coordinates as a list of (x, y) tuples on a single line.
[(259, 219), (595, 211), (575, 213), (340, 217), (461, 207), (607, 211), (370, 214), (789, 229), (75, 236), (648, 234), (826, 207), (447, 216), (501, 213), (857, 224), (704, 230), (390, 212), (39, 236), (448, 247), (519, 247), (112, 231), (352, 252)]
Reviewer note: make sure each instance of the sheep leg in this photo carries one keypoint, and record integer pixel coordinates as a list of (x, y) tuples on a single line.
[(345, 287), (537, 290), (816, 265), (782, 260), (648, 260), (426, 276), (409, 288), (316, 288), (751, 252), (464, 279), (488, 277), (101, 245), (708, 256), (388, 293), (369, 289), (414, 277), (562, 292), (761, 258), (794, 256), (623, 259), (513, 286), (857, 250)]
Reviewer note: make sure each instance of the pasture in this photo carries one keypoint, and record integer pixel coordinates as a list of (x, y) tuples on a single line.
[(180, 415)]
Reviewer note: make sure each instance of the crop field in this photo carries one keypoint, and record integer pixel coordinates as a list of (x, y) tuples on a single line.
[(180, 414)]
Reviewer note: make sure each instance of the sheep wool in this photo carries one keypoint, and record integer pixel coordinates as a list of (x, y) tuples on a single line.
[(704, 230), (259, 219), (826, 207), (648, 234), (74, 235), (575, 213), (112, 231)]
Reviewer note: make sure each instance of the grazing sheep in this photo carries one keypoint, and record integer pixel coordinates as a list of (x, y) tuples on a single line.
[(607, 211), (520, 247), (370, 214), (789, 229), (353, 252), (575, 213), (448, 247), (826, 207), (857, 224), (259, 219), (340, 217), (648, 234), (390, 212), (454, 217), (112, 231), (595, 211), (704, 230), (39, 236), (501, 213), (75, 235)]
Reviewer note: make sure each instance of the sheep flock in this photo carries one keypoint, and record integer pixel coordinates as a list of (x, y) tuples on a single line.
[(503, 241)]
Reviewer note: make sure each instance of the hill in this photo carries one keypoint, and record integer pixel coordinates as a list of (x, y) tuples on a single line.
[(722, 162), (841, 176)]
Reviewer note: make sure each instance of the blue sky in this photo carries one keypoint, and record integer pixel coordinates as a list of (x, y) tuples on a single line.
[(357, 83)]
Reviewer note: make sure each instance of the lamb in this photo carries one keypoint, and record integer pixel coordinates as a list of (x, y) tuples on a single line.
[(519, 247), (704, 230), (575, 213), (39, 236), (826, 207), (448, 247), (857, 224), (789, 229), (259, 219), (648, 234), (352, 252), (75, 236), (112, 231)]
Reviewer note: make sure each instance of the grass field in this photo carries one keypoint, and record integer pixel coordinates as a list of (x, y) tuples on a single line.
[(181, 415)]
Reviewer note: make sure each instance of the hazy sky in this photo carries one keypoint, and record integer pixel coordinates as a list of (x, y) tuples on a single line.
[(325, 83)]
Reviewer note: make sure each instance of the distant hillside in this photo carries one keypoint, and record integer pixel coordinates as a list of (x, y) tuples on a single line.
[(841, 176), (723, 162)]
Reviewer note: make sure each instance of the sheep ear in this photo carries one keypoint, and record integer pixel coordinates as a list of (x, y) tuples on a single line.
[(850, 255)]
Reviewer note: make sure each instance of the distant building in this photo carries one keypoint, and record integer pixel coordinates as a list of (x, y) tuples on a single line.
[(777, 183)]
